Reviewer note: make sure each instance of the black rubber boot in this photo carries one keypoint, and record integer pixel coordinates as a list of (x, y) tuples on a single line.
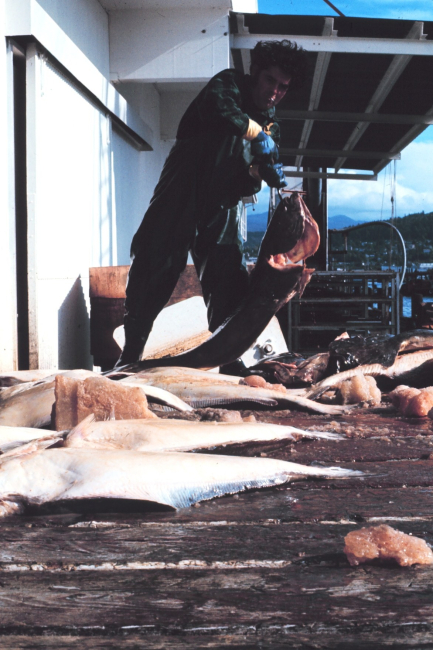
[(135, 340), (236, 368), (130, 354)]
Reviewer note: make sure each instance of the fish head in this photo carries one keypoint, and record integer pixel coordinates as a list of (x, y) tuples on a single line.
[(292, 234)]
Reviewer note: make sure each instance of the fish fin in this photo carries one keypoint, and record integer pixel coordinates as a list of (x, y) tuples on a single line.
[(325, 435), (217, 401), (81, 430), (164, 408), (185, 498), (340, 472)]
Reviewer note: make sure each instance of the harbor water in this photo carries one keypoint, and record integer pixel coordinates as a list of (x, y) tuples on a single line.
[(407, 305)]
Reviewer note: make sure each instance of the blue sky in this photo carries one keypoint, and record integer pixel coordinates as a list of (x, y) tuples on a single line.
[(368, 200)]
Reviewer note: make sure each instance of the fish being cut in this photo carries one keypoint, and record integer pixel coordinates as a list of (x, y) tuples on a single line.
[(293, 370), (291, 237), (175, 479), (211, 389), (404, 365), (345, 352), (180, 435)]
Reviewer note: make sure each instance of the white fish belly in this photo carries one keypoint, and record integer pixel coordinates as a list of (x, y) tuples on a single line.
[(174, 479)]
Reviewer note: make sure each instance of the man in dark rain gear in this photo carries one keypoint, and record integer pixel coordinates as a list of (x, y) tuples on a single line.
[(226, 145)]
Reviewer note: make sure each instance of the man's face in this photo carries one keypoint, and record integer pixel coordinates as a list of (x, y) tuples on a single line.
[(269, 87)]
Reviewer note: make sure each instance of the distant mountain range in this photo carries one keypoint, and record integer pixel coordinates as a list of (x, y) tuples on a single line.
[(341, 221), (257, 222)]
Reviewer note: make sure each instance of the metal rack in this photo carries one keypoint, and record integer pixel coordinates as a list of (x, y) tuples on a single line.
[(359, 302)]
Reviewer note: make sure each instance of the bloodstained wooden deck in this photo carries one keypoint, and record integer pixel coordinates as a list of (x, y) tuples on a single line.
[(263, 569)]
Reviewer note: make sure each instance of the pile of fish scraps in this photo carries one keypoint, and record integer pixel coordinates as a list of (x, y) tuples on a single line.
[(147, 458), (357, 369)]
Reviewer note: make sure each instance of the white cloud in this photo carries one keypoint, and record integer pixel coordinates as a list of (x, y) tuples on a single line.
[(362, 200)]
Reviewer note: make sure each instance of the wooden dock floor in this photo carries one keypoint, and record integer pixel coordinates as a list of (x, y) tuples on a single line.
[(263, 569)]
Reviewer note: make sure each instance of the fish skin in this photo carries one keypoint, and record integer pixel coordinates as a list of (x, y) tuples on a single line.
[(292, 236), (13, 437), (379, 348), (202, 390), (29, 405), (170, 478), (179, 435), (402, 366)]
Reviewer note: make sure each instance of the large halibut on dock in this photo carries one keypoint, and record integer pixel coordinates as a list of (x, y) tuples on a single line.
[(174, 479)]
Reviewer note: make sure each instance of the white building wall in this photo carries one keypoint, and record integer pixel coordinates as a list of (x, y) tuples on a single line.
[(85, 22), (88, 186), (8, 350), (69, 213), (75, 170), (177, 45)]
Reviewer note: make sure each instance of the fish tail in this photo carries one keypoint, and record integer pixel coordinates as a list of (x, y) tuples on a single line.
[(339, 472), (326, 435)]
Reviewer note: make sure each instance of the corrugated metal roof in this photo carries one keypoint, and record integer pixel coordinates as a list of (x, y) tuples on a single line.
[(369, 91)]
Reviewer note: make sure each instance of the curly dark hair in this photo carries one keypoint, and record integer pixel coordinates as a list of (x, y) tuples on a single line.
[(287, 55)]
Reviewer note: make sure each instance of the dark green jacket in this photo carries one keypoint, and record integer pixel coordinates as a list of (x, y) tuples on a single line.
[(214, 124)]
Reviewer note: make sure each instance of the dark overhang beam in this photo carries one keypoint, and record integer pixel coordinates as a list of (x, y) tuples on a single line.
[(321, 68), (391, 76), (329, 153), (378, 118)]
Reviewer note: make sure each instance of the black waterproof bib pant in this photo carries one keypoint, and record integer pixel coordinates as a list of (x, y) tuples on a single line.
[(195, 207), (181, 218)]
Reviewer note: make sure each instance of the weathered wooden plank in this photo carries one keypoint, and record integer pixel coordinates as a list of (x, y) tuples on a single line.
[(323, 638), (181, 546), (377, 475), (360, 423), (285, 504), (306, 450), (216, 602)]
